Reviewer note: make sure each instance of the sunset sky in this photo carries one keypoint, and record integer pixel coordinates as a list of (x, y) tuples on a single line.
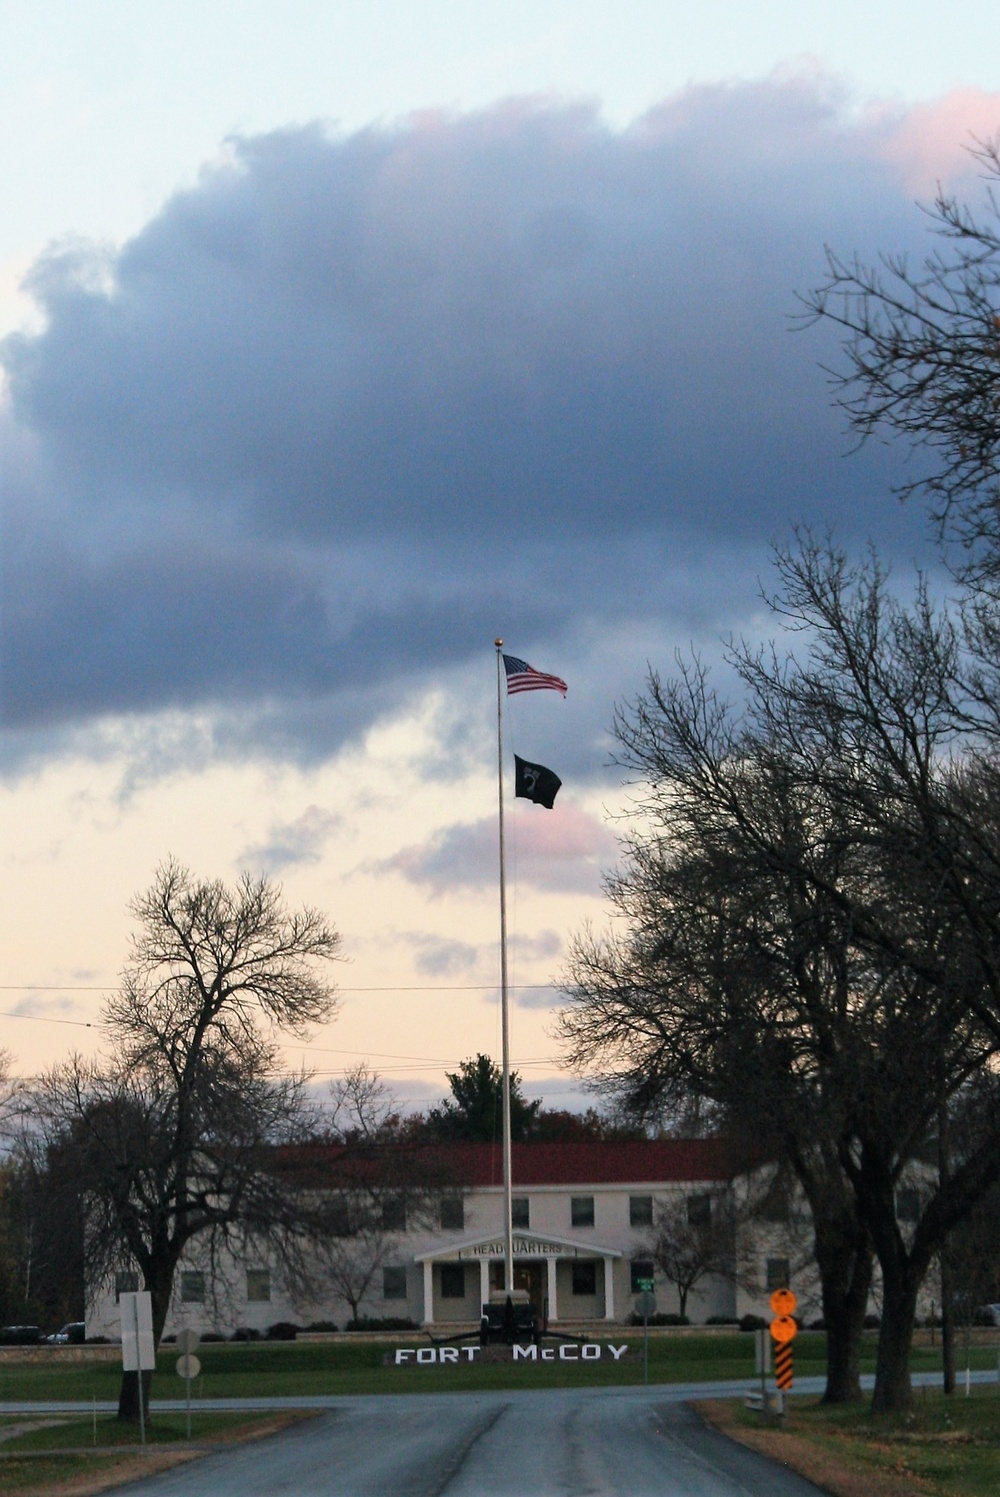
[(338, 339)]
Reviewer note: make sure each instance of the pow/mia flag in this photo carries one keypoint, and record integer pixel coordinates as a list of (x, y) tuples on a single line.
[(535, 782)]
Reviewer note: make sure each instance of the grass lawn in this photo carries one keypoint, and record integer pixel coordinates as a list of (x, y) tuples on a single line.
[(287, 1369), (943, 1446)]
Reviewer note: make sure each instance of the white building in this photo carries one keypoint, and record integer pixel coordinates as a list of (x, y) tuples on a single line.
[(584, 1215)]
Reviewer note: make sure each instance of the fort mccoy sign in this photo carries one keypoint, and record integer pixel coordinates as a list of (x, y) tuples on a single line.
[(429, 1356)]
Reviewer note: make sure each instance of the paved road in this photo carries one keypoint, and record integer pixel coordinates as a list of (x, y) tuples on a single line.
[(552, 1443)]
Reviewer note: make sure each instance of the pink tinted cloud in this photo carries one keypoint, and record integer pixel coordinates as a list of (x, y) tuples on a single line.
[(563, 850), (929, 143)]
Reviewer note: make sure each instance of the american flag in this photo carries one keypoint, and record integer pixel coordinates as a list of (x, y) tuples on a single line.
[(523, 677)]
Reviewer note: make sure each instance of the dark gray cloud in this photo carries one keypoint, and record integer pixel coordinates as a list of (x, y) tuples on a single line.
[(439, 956), (294, 842), (350, 404)]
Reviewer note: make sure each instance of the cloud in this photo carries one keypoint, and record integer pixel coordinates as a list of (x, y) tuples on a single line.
[(42, 1006), (294, 842), (538, 997), (563, 850), (438, 956), (351, 403), (543, 945)]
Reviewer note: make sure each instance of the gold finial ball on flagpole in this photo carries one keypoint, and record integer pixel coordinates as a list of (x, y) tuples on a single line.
[(498, 641)]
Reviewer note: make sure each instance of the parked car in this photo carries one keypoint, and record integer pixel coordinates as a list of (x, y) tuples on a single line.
[(73, 1334), (20, 1335)]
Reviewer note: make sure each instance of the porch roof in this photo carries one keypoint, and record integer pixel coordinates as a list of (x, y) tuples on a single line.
[(526, 1245)]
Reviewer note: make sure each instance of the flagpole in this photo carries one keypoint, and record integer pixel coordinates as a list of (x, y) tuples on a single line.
[(508, 1236)]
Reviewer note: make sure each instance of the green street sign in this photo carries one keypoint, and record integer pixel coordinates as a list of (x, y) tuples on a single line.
[(645, 1285)]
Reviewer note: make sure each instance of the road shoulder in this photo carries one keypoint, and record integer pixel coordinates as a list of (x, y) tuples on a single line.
[(837, 1475), (120, 1467)]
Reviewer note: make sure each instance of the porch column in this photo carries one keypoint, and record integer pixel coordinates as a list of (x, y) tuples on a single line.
[(484, 1280), (550, 1269), (609, 1289), (428, 1292)]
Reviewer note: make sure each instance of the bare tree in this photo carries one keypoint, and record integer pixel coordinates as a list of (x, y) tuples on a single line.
[(922, 347), (382, 1180), (810, 934), (360, 1245), (176, 1128), (363, 1107), (695, 1238)]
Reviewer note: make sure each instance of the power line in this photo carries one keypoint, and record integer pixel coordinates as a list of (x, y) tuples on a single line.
[(409, 987), (48, 1019)]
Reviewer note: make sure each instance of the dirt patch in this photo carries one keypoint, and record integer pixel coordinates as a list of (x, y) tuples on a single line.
[(28, 1427), (837, 1475)]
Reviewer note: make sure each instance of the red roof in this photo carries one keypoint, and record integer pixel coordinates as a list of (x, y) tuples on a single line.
[(582, 1162), (642, 1161)]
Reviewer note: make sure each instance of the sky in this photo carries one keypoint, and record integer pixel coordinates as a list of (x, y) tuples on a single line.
[(338, 340)]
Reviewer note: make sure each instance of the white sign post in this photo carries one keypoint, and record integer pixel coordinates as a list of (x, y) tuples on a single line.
[(188, 1365), (138, 1351)]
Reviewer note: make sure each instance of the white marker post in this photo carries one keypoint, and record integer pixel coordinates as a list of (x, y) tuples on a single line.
[(188, 1365), (138, 1351)]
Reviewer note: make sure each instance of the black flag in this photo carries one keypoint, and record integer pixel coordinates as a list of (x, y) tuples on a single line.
[(535, 782)]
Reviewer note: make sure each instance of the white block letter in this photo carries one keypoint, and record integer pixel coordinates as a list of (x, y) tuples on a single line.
[(448, 1354), (427, 1354), (591, 1352), (403, 1354), (617, 1351), (525, 1353)]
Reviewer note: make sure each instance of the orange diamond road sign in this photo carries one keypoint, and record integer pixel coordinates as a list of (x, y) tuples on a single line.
[(783, 1302)]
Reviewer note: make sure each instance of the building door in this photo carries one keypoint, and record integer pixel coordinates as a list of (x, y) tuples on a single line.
[(529, 1276)]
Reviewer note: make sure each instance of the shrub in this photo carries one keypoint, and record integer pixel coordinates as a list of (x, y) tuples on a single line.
[(282, 1330), (322, 1325), (211, 1336), (382, 1323), (722, 1320), (752, 1323), (819, 1324), (243, 1333), (872, 1322), (658, 1319)]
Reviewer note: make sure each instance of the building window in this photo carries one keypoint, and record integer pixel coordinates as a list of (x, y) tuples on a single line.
[(640, 1211), (778, 1274), (639, 1269), (258, 1285), (192, 1287), (452, 1280), (340, 1221), (519, 1214), (584, 1277), (125, 1283), (452, 1214), (907, 1204), (394, 1283), (394, 1214), (699, 1209), (581, 1211)]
